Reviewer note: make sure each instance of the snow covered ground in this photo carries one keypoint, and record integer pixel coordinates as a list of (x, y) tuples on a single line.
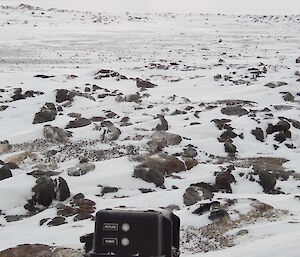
[(228, 85)]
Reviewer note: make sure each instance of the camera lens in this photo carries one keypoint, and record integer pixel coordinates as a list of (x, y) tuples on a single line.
[(125, 227), (125, 241)]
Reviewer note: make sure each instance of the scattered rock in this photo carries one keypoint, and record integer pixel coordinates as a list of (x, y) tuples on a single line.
[(5, 173), (57, 221), (19, 158), (190, 163), (206, 207), (106, 190), (81, 169), (133, 98), (56, 134), (190, 152), (47, 113), (276, 84), (259, 134), (234, 111), (160, 139), (230, 148), (42, 76), (219, 215), (82, 216), (39, 250), (223, 181), (149, 174), (143, 84), (78, 123), (191, 196), (63, 95), (164, 124), (288, 97), (43, 191), (298, 60), (110, 132), (267, 181), (5, 147)]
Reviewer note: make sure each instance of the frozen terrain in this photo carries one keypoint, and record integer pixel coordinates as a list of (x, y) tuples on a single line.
[(208, 103)]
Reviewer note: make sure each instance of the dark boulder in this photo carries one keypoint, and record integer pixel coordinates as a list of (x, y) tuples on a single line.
[(78, 123), (267, 181), (259, 134), (206, 207), (43, 191), (47, 113), (106, 190), (234, 111), (151, 175), (5, 172), (223, 181), (219, 215), (230, 148), (63, 95), (191, 196), (57, 221), (143, 84)]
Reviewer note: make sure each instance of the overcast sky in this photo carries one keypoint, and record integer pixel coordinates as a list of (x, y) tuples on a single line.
[(197, 6)]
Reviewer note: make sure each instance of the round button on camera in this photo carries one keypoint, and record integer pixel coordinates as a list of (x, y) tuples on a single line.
[(125, 241), (125, 227)]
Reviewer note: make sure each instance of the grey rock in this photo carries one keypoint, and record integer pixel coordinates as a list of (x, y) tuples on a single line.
[(5, 173), (206, 207), (56, 134), (43, 191), (259, 134), (82, 216), (191, 196), (78, 123), (81, 169), (219, 215), (63, 95), (288, 97), (230, 148), (160, 139), (267, 181), (106, 190), (150, 175), (234, 111), (163, 126), (57, 221), (190, 152), (143, 84), (276, 84), (47, 113), (298, 60), (110, 132), (39, 250), (133, 98), (223, 181)]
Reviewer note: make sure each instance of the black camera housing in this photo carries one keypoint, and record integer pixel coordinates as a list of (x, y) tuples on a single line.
[(129, 233)]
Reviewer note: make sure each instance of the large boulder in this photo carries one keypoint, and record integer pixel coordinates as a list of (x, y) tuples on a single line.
[(267, 181), (63, 95), (78, 123), (43, 191), (39, 250), (234, 111), (149, 174), (223, 181), (194, 194), (143, 84), (110, 132), (259, 134), (47, 113), (5, 172), (160, 139), (56, 134)]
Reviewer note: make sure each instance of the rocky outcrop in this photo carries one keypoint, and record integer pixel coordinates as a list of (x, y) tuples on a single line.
[(47, 113), (78, 123), (39, 250), (56, 134), (5, 172), (160, 139)]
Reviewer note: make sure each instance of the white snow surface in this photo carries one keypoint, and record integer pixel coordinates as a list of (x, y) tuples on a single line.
[(63, 42)]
